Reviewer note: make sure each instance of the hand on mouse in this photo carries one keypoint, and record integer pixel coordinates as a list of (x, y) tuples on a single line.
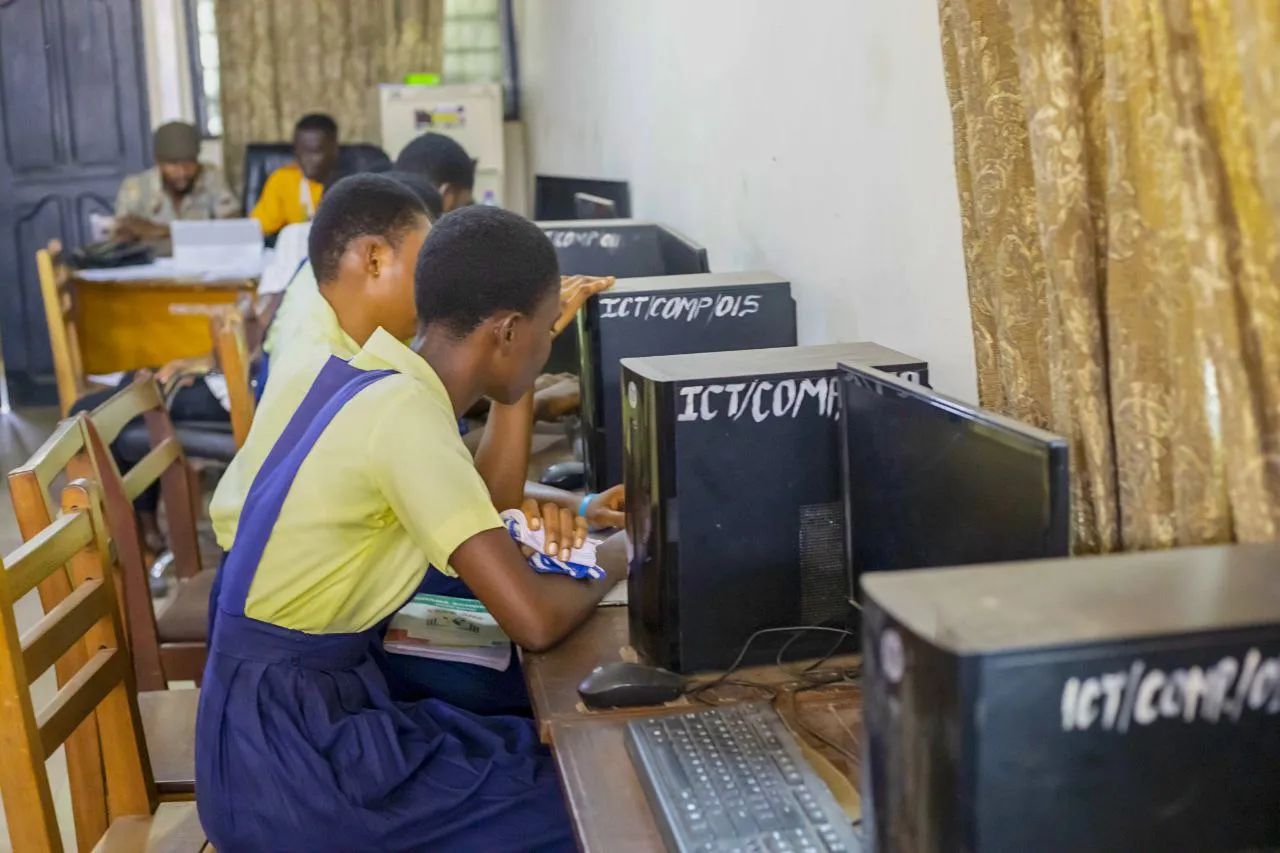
[(562, 532)]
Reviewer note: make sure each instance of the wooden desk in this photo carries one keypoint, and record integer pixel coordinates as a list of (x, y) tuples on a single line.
[(129, 325), (608, 806)]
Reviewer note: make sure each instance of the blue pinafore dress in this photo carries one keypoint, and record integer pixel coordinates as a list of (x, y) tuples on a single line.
[(299, 743)]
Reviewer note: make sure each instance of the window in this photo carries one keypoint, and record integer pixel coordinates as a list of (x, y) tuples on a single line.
[(479, 45), (202, 39)]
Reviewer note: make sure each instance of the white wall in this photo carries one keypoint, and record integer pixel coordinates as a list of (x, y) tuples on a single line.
[(812, 138)]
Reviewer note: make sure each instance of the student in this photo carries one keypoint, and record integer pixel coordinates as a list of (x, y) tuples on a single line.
[(363, 245), (179, 186), (444, 163), (292, 193), (300, 743)]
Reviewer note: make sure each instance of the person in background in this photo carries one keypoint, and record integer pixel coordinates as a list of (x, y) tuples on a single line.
[(179, 186), (444, 163), (301, 742), (292, 193), (452, 171)]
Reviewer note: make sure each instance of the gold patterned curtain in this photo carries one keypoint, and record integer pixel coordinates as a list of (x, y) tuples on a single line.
[(281, 59), (1119, 172)]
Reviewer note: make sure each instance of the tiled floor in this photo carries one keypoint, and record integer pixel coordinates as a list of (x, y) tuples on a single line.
[(20, 435)]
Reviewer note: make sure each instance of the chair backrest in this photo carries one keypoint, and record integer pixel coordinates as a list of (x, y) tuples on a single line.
[(64, 454), (165, 463), (231, 345), (102, 689), (263, 158), (60, 315), (75, 451)]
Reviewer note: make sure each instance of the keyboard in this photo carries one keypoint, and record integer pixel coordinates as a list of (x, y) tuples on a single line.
[(732, 778)]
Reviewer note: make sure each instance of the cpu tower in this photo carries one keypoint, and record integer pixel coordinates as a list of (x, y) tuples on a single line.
[(1121, 703), (734, 507), (668, 315)]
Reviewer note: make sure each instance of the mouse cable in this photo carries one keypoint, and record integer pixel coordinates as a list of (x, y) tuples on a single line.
[(737, 663)]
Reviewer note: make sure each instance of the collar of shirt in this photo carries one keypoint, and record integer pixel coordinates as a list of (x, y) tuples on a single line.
[(383, 351)]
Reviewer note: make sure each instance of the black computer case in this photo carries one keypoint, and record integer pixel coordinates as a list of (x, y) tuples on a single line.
[(668, 315), (625, 248), (733, 497), (1125, 703)]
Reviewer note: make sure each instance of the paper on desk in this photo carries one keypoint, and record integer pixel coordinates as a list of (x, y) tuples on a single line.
[(452, 629), (616, 597), (169, 268)]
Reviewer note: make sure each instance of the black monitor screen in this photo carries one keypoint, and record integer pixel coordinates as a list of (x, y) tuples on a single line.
[(932, 482), (553, 197)]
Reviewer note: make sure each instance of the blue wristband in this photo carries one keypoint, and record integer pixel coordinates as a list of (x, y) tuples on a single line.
[(582, 507)]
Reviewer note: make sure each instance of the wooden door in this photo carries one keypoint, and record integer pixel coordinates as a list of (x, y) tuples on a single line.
[(73, 123)]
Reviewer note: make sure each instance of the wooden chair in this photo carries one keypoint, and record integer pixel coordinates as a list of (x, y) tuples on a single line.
[(179, 637), (231, 346), (168, 717), (60, 314), (102, 690)]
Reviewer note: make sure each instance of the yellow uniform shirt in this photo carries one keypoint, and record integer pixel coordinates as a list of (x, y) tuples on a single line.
[(287, 198), (312, 335), (387, 489)]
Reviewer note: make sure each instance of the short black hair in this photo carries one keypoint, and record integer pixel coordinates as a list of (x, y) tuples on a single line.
[(478, 261), (360, 206), (440, 159), (422, 188), (317, 121)]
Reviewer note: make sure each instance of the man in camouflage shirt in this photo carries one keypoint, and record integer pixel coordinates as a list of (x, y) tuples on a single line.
[(179, 186)]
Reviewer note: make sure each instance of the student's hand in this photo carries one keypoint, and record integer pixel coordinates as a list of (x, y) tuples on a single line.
[(575, 290), (562, 533), (607, 509), (556, 401)]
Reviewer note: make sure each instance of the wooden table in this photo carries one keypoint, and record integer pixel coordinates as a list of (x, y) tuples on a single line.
[(132, 324), (608, 806)]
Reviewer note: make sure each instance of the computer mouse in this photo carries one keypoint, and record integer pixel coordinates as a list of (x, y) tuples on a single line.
[(569, 476), (629, 685)]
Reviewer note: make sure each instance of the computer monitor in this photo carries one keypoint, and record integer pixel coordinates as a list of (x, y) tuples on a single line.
[(1119, 703), (734, 503), (930, 481), (587, 206), (553, 197)]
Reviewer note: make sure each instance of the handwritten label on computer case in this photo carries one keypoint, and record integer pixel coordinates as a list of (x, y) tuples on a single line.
[(687, 309), (761, 399), (1142, 695), (584, 239)]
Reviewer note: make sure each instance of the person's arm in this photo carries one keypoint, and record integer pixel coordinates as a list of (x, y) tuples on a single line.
[(604, 510), (440, 500), (503, 455), (536, 611), (225, 203)]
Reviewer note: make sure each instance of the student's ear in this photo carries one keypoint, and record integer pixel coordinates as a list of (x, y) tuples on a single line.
[(506, 331), (375, 254)]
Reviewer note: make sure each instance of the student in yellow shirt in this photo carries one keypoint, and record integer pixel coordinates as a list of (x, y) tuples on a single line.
[(362, 248), (292, 193), (301, 743)]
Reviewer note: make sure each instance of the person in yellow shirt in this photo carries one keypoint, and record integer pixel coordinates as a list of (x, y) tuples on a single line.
[(301, 742), (362, 247), (292, 193)]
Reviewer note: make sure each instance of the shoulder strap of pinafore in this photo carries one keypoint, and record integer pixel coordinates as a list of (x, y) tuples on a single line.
[(337, 383)]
